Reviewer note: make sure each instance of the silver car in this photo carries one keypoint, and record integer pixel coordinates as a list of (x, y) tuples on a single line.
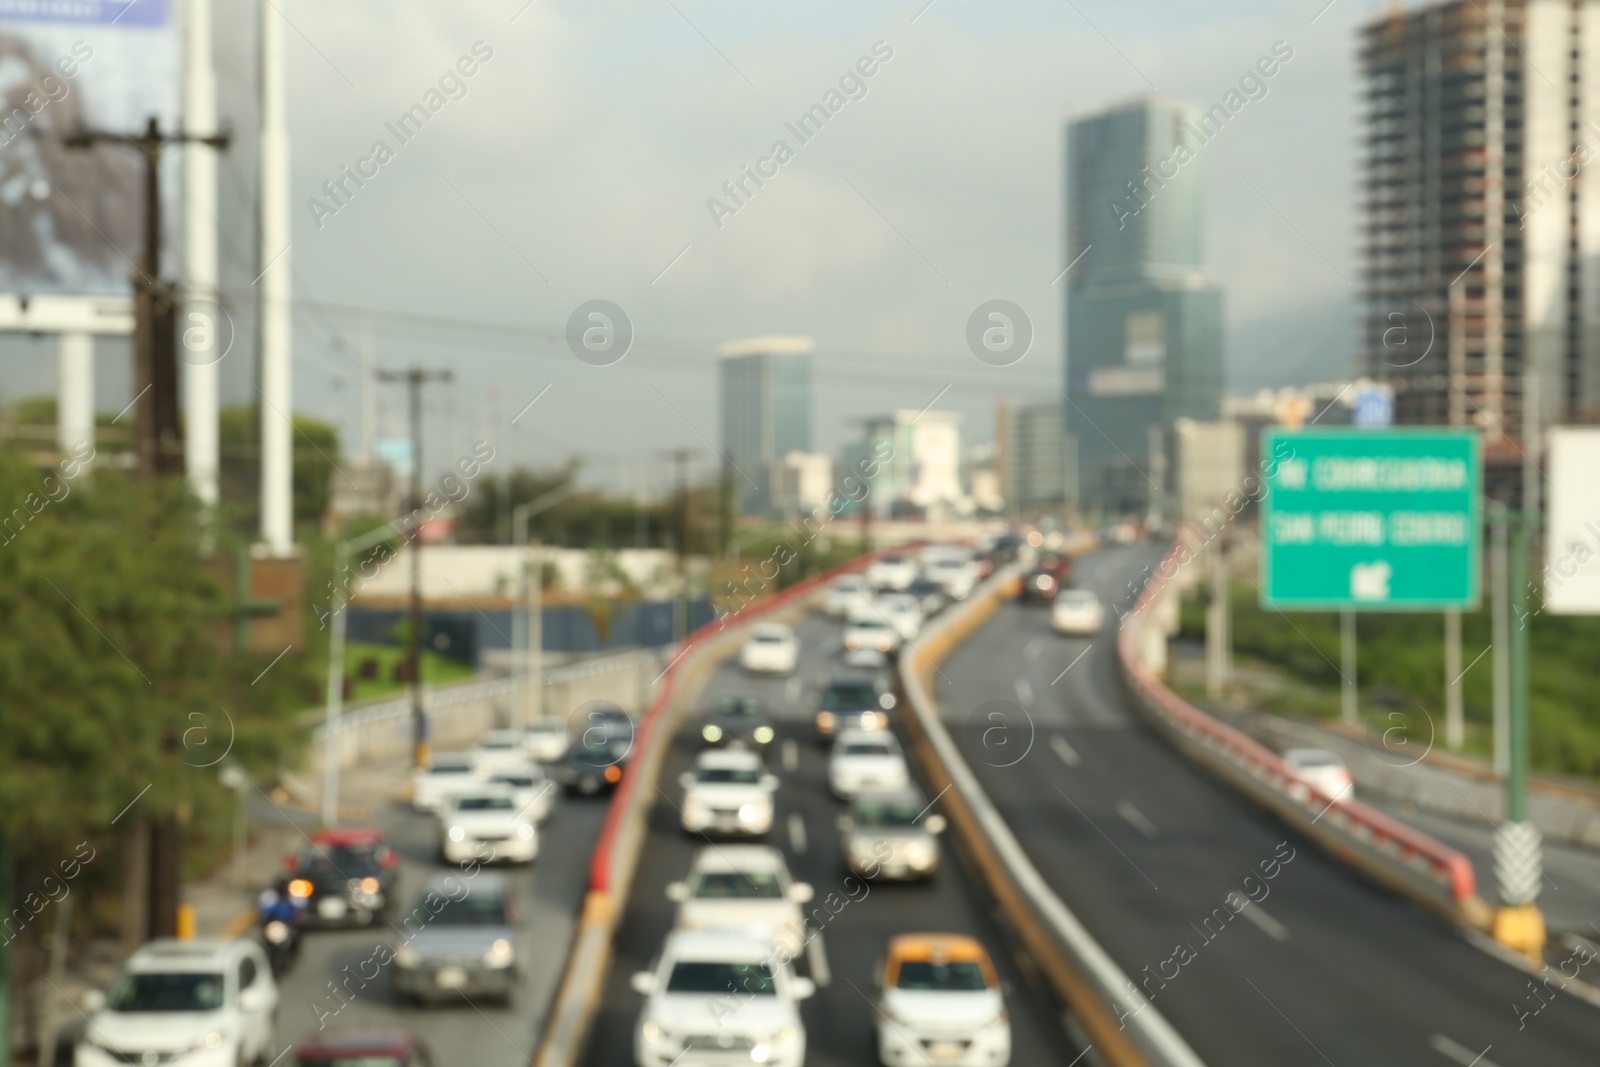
[(459, 942), (890, 835)]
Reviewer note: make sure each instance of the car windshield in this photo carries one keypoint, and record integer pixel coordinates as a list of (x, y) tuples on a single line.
[(704, 976), (497, 743), (594, 756), (738, 707), (318, 1060), (874, 815), (166, 992), (963, 977), (489, 803), (736, 885), (873, 623), (838, 697), (770, 638), (518, 781), (338, 859), (728, 776), (866, 748), (474, 909), (451, 768)]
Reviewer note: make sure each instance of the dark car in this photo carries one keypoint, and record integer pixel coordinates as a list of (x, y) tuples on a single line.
[(367, 1048), (591, 769), (738, 721), (853, 702), (930, 595), (605, 723), (1007, 549), (1051, 574), (345, 877)]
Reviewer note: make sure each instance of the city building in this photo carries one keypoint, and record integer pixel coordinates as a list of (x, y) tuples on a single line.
[(1208, 467), (801, 482), (1482, 223), (1036, 464), (766, 410), (919, 464), (1144, 325)]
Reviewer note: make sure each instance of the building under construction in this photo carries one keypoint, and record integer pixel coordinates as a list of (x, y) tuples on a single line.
[(1481, 195)]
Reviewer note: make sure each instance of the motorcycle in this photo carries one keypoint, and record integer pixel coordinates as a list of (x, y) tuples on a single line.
[(279, 919)]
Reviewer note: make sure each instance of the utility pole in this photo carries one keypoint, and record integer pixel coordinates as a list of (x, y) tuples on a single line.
[(275, 295), (415, 378)]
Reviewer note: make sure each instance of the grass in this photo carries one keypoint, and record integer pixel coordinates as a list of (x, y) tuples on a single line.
[(1400, 665), (436, 669)]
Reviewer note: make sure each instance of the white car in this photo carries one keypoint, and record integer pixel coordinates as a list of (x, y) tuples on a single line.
[(545, 740), (904, 613), (1322, 771), (714, 999), (869, 628), (204, 1003), (892, 572), (447, 774), (728, 792), (746, 889), (531, 789), (940, 1002), (487, 816), (772, 648), (846, 593), (866, 759), (1078, 612), (499, 750), (957, 575)]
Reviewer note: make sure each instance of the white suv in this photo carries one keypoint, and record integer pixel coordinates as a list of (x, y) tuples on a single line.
[(488, 815), (745, 888), (892, 572), (864, 760), (720, 998), (186, 1004), (728, 792)]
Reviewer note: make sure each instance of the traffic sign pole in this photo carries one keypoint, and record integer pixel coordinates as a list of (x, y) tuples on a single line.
[(1347, 665)]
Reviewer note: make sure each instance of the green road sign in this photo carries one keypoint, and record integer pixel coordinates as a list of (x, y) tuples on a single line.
[(1377, 520)]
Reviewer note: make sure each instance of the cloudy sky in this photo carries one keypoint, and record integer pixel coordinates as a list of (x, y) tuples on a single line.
[(579, 162)]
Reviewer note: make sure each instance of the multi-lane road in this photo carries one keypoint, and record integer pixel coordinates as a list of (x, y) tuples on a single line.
[(1145, 847)]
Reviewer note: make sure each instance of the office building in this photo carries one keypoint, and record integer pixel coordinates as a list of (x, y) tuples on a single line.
[(801, 482), (1036, 464), (1482, 219), (766, 411), (919, 468), (1144, 324)]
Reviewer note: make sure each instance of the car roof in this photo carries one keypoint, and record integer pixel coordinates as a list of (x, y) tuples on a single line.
[(955, 948), (909, 795), (739, 858), (728, 759), (520, 770), (348, 836), (716, 945), (771, 628), (486, 789), (358, 1043), (170, 954), (1312, 755)]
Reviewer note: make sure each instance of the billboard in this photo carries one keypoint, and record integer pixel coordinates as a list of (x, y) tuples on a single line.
[(1572, 535), (71, 220)]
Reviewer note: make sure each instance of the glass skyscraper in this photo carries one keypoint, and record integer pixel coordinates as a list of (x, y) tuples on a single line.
[(766, 411), (1144, 325)]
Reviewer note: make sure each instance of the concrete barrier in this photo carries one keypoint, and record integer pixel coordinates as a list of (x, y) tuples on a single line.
[(1126, 1029)]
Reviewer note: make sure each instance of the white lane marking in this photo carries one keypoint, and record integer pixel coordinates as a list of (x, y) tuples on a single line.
[(1068, 754), (1270, 926), (1024, 692), (797, 833), (791, 756), (818, 958), (1035, 647), (791, 692), (1137, 819), (1462, 1055)]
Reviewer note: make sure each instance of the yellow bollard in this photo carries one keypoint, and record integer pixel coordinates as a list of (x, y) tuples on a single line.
[(1521, 929), (186, 922)]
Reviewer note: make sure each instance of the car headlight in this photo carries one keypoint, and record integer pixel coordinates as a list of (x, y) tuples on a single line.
[(500, 954), (825, 721), (457, 833), (711, 732), (276, 932), (919, 854), (369, 886), (406, 956), (762, 734), (212, 1040), (651, 1032), (525, 831), (752, 812), (861, 848), (761, 1053)]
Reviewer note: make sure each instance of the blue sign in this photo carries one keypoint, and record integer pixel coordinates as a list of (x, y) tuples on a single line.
[(98, 12), (1374, 408)]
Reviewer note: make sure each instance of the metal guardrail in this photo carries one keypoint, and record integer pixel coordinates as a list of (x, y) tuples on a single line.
[(1406, 859), (1126, 1028)]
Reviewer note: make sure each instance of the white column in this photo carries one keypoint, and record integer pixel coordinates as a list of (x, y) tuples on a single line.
[(277, 400), (200, 259), (75, 390)]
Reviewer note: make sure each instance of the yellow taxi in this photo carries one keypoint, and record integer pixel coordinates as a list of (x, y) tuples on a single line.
[(941, 1004)]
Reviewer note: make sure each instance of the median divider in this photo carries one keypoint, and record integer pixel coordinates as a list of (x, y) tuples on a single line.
[(1404, 859), (1125, 1027), (616, 851)]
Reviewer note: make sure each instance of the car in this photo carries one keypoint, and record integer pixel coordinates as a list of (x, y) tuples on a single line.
[(531, 789), (904, 613), (865, 659), (853, 702), (1057, 563), (719, 998), (891, 835), (345, 877), (738, 720), (728, 792), (864, 760), (487, 824), (1077, 611), (604, 723), (892, 572), (1008, 548), (745, 888), (872, 629), (1039, 586), (772, 648), (846, 593), (957, 574), (498, 750), (545, 740), (201, 1003), (366, 1048), (446, 774), (940, 1002), (592, 769), (1322, 770), (459, 942), (930, 596)]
